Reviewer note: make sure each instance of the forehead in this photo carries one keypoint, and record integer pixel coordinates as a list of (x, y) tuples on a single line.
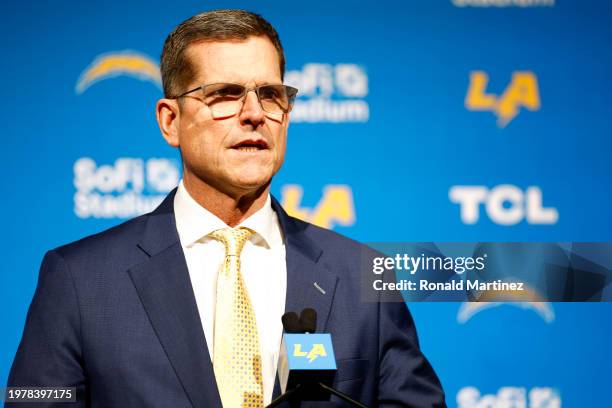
[(251, 61)]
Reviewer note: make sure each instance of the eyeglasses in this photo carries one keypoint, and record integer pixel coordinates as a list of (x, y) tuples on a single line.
[(226, 100)]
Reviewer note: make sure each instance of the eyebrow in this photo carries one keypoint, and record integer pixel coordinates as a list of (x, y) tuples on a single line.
[(262, 83)]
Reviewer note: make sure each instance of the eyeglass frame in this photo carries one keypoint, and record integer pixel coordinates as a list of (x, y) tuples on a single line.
[(246, 91)]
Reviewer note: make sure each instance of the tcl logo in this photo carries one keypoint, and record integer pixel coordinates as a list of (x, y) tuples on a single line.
[(504, 204)]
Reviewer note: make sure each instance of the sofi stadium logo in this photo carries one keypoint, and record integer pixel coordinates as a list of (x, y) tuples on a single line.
[(124, 189), (505, 204), (509, 397), (521, 92), (330, 93)]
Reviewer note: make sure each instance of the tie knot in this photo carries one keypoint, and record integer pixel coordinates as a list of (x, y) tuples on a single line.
[(232, 238)]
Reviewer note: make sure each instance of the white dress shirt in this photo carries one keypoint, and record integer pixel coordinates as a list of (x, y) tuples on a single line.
[(263, 269)]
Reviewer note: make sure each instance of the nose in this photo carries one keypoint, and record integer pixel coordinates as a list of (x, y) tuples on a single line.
[(251, 112)]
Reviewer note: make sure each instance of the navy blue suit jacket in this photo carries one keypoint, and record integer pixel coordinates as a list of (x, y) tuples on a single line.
[(115, 315)]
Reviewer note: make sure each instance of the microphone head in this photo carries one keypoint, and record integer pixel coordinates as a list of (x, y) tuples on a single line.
[(308, 320), (291, 323)]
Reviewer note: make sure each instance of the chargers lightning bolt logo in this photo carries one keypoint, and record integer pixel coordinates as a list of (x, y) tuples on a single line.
[(113, 64)]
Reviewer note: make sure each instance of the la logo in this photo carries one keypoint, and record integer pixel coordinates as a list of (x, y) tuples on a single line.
[(521, 92), (335, 207), (317, 350)]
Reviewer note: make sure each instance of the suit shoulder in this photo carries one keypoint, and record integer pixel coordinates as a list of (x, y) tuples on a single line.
[(332, 241), (111, 240)]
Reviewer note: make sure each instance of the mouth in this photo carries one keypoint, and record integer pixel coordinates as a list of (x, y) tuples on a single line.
[(251, 145)]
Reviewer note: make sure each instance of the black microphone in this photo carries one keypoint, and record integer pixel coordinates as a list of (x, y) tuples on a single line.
[(291, 323), (308, 320)]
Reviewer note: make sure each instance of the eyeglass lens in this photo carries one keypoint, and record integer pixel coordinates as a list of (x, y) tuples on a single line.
[(226, 99)]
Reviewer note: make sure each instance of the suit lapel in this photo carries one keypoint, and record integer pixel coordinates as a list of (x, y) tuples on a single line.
[(165, 290), (310, 283)]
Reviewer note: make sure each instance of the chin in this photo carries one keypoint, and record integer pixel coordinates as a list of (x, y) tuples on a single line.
[(251, 184), (250, 178)]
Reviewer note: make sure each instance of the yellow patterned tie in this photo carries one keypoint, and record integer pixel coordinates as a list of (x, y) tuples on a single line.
[(236, 356)]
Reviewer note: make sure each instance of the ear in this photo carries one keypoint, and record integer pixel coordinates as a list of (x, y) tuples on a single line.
[(168, 118)]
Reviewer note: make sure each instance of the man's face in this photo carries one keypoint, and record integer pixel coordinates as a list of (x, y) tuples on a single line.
[(241, 153)]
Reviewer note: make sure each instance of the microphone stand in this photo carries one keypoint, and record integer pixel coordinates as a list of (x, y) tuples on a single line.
[(287, 395), (282, 398), (342, 396)]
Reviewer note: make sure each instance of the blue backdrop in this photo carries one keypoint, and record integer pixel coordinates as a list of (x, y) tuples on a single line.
[(438, 120)]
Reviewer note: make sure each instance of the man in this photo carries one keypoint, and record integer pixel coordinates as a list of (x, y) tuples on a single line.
[(154, 312)]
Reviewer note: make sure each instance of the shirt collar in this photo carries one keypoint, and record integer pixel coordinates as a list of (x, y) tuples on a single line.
[(194, 222), (265, 223)]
